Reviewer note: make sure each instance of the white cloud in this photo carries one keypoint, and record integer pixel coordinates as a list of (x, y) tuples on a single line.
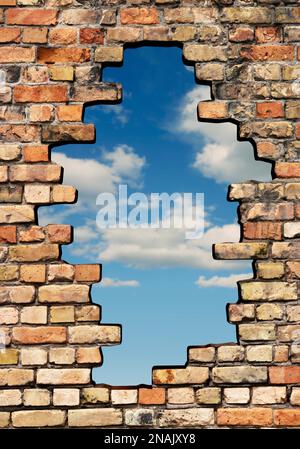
[(144, 248), (120, 113), (109, 282), (222, 157), (225, 281)]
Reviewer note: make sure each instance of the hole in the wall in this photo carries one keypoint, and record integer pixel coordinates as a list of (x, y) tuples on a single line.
[(167, 293)]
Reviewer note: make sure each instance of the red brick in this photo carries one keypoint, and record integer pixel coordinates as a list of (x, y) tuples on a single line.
[(139, 16), (262, 230), (70, 54), (16, 54), (269, 53), (284, 374), (152, 396), (39, 335), (10, 35), (37, 153), (91, 36), (31, 16), (287, 417), (269, 110), (267, 34), (59, 233), (87, 273), (241, 34), (287, 169), (8, 234), (244, 417), (40, 94)]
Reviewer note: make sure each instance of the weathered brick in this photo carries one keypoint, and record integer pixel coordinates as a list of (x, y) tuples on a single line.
[(63, 36), (91, 355), (58, 55), (39, 335), (95, 395), (270, 270), (16, 54), (63, 294), (122, 396), (246, 14), (34, 315), (67, 133), (244, 417), (94, 334), (256, 332), (40, 94), (60, 314), (239, 374), (37, 153), (61, 73), (8, 315), (204, 53), (29, 16), (60, 272), (181, 395), (287, 417), (267, 312), (152, 396), (95, 417), (91, 36), (62, 356), (38, 418), (202, 354), (262, 230), (63, 376), (9, 356), (16, 214), (33, 356), (240, 250), (34, 35), (139, 16), (70, 113), (109, 54), (236, 395), (36, 397), (59, 233), (189, 375), (17, 294), (193, 417), (284, 374), (270, 291), (208, 395), (33, 253)]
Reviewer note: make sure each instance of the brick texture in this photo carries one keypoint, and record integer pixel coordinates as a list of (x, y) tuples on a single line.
[(52, 53)]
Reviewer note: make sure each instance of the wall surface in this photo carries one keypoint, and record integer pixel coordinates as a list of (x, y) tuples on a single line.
[(51, 56)]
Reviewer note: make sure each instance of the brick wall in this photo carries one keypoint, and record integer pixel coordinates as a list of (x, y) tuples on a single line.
[(52, 53)]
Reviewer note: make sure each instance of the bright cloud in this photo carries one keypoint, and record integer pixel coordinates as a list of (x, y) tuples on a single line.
[(109, 282), (222, 157), (225, 281), (148, 248)]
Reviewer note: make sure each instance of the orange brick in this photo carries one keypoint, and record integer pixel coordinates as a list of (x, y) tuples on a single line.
[(37, 153), (32, 234), (152, 396), (63, 36), (59, 233), (241, 34), (91, 36), (70, 54), (31, 16), (40, 113), (267, 34), (35, 35), (287, 417), (267, 150), (33, 273), (10, 35), (287, 169), (87, 273), (70, 113), (244, 417), (284, 374), (8, 234), (262, 230), (40, 94), (8, 2), (269, 53), (16, 54), (39, 335), (139, 16), (269, 110), (212, 110), (88, 355)]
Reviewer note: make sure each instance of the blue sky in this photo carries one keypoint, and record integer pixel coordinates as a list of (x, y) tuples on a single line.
[(167, 292)]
